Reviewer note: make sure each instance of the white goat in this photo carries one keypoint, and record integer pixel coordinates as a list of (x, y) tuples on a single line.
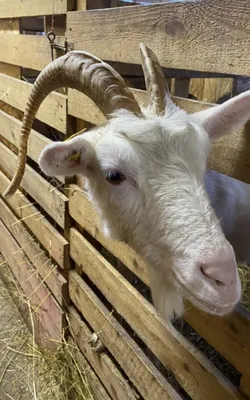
[(145, 171)]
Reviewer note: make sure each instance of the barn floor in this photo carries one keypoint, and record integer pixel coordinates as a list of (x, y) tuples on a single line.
[(20, 363)]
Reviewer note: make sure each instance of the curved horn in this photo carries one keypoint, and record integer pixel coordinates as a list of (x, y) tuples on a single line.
[(156, 83), (77, 70)]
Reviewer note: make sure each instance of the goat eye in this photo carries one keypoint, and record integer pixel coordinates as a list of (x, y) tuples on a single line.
[(115, 177)]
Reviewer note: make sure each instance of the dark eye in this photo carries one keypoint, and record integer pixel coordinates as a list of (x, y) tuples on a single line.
[(115, 177)]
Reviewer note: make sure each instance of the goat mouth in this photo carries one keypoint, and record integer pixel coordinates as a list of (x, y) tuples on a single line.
[(217, 309)]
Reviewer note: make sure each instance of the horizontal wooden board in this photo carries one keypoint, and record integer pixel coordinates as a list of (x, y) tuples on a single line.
[(42, 263), (52, 201), (232, 333), (111, 378), (52, 110), (94, 387), (208, 29), (30, 51), (11, 130), (52, 241), (42, 302), (117, 341), (230, 154), (32, 8), (193, 371)]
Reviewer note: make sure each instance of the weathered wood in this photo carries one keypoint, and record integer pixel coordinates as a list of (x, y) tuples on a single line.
[(186, 35), (211, 90), (192, 370), (43, 304), (230, 154), (51, 199), (52, 111), (245, 385), (27, 8), (232, 332), (228, 335), (47, 235), (146, 378), (11, 130), (96, 388), (17, 296), (30, 51), (104, 367), (42, 263)]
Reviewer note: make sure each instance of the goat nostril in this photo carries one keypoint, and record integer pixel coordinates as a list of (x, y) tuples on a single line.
[(217, 282)]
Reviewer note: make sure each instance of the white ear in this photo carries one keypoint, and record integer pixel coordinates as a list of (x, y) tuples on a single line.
[(67, 158), (227, 117)]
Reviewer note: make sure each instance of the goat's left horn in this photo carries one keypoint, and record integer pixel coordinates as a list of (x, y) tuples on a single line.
[(81, 71), (156, 83)]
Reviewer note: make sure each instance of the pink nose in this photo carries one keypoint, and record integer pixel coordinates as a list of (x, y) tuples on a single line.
[(221, 268)]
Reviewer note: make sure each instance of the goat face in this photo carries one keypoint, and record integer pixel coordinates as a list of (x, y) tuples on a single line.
[(144, 172), (146, 178)]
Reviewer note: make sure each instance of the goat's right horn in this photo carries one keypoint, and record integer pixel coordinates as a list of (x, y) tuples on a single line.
[(81, 71), (156, 83)]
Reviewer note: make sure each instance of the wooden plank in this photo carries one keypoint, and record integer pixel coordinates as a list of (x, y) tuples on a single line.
[(193, 371), (230, 154), (47, 235), (181, 30), (111, 378), (17, 296), (27, 8), (96, 388), (245, 385), (232, 333), (146, 378), (52, 111), (11, 130), (41, 262), (35, 291), (217, 88), (30, 51), (51, 199)]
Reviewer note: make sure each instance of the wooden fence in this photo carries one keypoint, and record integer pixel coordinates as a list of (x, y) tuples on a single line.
[(50, 235)]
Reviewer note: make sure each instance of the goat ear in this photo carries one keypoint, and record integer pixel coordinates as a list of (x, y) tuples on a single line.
[(67, 158), (227, 117)]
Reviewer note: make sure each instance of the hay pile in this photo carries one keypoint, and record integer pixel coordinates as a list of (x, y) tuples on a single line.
[(244, 272), (26, 371)]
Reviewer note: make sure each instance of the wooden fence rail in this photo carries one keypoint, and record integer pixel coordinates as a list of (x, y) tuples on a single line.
[(50, 235)]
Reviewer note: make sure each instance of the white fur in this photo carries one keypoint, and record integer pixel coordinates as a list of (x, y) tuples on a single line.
[(162, 209)]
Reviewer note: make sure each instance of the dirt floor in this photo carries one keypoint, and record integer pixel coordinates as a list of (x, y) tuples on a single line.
[(23, 374)]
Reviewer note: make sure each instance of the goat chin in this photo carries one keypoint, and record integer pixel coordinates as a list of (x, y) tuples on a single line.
[(169, 305)]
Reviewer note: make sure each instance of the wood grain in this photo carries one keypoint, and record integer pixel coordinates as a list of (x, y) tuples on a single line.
[(146, 378), (108, 373), (31, 8), (52, 110), (29, 51), (35, 290), (96, 389), (55, 244), (11, 130), (44, 266), (201, 36), (51, 199), (229, 335), (193, 371), (229, 155)]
